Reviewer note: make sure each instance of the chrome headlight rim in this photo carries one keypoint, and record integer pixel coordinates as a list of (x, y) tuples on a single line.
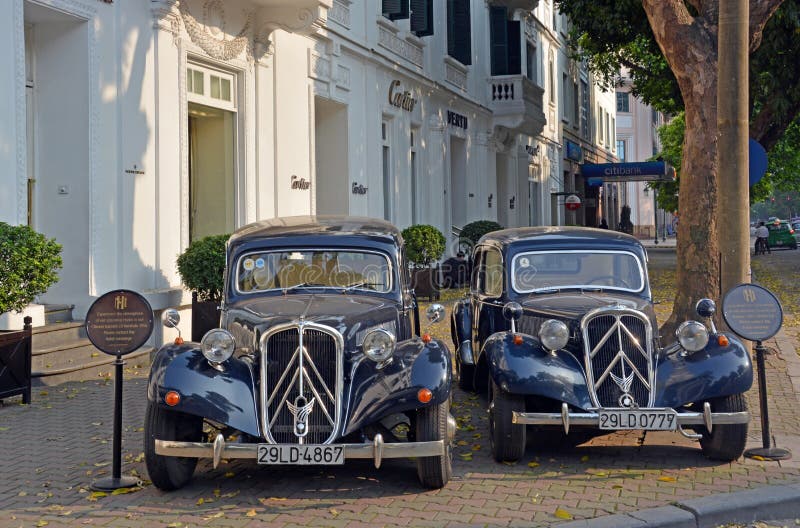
[(692, 335), (379, 345), (217, 345), (554, 334)]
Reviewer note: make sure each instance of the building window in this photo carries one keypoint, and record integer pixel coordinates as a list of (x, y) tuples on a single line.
[(414, 177), (623, 102), (564, 95), (459, 31), (621, 149), (530, 64), (394, 9), (655, 116), (422, 17), (576, 107), (585, 109), (505, 42), (613, 131), (552, 79), (210, 87), (607, 137)]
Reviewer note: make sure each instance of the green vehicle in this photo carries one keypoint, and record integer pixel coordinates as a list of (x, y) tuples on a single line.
[(781, 234)]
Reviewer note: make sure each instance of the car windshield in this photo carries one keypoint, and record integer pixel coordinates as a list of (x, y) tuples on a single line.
[(557, 270), (306, 268)]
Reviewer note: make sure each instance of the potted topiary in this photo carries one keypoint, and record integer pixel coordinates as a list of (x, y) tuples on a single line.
[(202, 268), (424, 245), (472, 232), (28, 264)]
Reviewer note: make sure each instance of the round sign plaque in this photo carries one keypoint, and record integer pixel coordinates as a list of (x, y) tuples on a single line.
[(119, 322), (752, 312)]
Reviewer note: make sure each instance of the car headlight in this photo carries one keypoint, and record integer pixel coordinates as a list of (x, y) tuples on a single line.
[(554, 334), (379, 345), (217, 345), (693, 336)]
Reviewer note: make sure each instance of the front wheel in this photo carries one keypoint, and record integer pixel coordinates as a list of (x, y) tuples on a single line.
[(725, 442), (434, 472), (166, 472), (508, 439)]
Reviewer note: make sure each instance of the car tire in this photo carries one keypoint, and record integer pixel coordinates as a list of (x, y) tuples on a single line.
[(725, 442), (466, 377), (167, 472), (431, 425), (507, 439)]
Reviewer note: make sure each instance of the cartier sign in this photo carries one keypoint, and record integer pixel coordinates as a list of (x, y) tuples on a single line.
[(399, 98), (300, 183)]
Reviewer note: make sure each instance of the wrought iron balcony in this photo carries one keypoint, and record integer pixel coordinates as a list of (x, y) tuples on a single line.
[(516, 104)]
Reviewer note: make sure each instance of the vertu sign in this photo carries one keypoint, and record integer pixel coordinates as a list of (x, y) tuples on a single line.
[(457, 120), (401, 98)]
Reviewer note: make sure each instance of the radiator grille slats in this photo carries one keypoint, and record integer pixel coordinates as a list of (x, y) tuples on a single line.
[(617, 354), (281, 360)]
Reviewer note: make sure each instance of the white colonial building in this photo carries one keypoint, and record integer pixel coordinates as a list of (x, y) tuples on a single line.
[(130, 128)]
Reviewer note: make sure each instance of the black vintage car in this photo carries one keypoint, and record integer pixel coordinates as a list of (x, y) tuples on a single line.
[(318, 359), (559, 326)]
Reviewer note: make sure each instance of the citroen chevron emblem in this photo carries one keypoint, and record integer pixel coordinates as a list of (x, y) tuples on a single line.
[(623, 383), (300, 409)]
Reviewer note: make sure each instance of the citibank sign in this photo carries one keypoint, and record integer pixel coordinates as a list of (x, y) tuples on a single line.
[(399, 98)]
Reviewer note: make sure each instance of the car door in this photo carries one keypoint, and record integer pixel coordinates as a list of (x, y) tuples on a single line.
[(487, 288)]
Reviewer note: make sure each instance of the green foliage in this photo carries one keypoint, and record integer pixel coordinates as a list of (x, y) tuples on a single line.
[(202, 267), (424, 244), (28, 264), (671, 136), (473, 231)]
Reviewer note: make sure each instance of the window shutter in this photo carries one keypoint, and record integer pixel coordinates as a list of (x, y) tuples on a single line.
[(422, 17), (499, 42), (392, 8), (514, 45), (403, 11), (459, 31)]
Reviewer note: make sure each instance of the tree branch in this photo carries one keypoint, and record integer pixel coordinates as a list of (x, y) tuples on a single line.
[(760, 11), (769, 125)]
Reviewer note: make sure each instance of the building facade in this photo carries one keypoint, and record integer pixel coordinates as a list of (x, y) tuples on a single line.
[(130, 129)]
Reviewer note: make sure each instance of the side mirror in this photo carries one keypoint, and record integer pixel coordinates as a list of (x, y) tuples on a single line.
[(512, 311), (705, 308), (171, 318)]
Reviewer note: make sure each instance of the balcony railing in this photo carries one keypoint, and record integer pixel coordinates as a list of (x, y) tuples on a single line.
[(516, 104)]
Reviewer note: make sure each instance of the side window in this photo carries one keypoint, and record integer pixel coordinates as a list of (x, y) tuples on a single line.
[(477, 271), (494, 273)]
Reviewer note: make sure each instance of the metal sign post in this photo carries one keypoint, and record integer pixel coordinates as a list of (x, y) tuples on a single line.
[(118, 323), (755, 314)]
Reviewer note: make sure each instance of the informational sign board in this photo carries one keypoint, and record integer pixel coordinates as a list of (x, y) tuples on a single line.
[(752, 312), (119, 322)]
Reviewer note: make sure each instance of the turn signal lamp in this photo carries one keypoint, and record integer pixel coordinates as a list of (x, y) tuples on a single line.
[(424, 395), (722, 341), (426, 338), (179, 340), (517, 339), (172, 398)]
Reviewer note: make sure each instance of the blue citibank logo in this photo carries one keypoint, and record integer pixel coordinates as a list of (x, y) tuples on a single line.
[(598, 173)]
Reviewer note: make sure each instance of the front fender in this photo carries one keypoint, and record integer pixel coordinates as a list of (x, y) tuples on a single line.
[(461, 330), (227, 397), (713, 372), (376, 393), (531, 370)]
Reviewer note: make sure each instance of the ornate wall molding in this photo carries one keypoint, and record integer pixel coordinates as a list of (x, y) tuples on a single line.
[(166, 18), (455, 74), (405, 49), (343, 77), (319, 66), (205, 35)]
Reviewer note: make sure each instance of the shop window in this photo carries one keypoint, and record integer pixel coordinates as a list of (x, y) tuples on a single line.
[(505, 42), (210, 87), (459, 31), (623, 102)]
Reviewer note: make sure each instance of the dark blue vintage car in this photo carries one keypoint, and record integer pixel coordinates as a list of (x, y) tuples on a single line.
[(559, 326), (317, 359)]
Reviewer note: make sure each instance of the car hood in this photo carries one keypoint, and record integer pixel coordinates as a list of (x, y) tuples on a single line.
[(349, 314), (574, 305)]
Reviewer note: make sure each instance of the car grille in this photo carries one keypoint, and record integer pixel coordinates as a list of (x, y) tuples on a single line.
[(618, 357), (293, 377)]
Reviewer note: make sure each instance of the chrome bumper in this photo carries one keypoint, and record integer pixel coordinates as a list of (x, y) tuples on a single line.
[(567, 418), (377, 450)]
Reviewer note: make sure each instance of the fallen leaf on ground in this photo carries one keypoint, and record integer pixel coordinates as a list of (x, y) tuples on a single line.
[(667, 479), (533, 464), (251, 512), (563, 514), (215, 516), (229, 474), (96, 495), (42, 523), (585, 458)]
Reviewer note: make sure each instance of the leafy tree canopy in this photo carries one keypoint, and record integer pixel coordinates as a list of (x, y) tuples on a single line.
[(615, 34)]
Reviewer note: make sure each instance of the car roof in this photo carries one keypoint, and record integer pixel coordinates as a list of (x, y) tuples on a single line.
[(315, 225), (559, 236)]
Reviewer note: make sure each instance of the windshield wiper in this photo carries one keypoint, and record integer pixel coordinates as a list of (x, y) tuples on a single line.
[(361, 285), (547, 290), (300, 285)]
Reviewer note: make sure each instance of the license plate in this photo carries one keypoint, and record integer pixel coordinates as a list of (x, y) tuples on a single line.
[(642, 419), (302, 455)]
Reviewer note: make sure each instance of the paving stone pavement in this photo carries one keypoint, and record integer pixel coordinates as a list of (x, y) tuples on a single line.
[(50, 452)]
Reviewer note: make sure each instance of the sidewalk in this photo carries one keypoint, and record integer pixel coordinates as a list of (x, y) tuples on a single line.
[(53, 449)]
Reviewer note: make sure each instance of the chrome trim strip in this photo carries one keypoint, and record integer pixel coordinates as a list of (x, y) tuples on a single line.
[(301, 327), (365, 450), (592, 418), (618, 312)]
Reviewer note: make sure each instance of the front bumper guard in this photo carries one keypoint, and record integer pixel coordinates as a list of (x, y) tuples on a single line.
[(566, 418), (377, 450)]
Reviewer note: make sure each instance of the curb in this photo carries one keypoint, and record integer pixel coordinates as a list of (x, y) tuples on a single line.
[(761, 504)]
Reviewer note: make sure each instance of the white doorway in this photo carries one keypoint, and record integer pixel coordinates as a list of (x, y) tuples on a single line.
[(213, 160), (458, 182), (331, 157)]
